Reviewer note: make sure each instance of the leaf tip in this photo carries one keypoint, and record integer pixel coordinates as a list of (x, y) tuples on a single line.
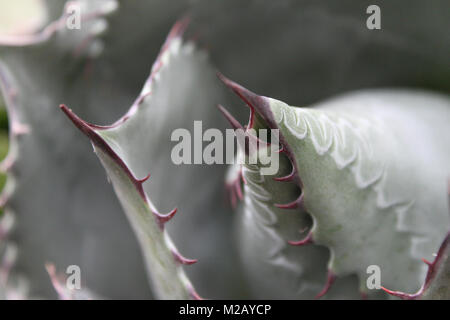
[(331, 277), (185, 261), (306, 240)]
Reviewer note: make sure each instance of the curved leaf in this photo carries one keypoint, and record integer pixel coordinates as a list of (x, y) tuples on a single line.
[(53, 202), (363, 180), (181, 82)]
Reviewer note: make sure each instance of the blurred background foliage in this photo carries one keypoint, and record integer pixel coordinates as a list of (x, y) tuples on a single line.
[(3, 139), (19, 16)]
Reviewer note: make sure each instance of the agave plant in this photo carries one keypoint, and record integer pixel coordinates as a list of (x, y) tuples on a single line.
[(362, 178)]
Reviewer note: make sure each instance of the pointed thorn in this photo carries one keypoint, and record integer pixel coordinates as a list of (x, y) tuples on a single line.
[(163, 218), (331, 277), (50, 267), (387, 290), (281, 149), (77, 121), (431, 273), (289, 177), (194, 293), (234, 123), (51, 270), (56, 282), (179, 28), (427, 262), (244, 180), (88, 130), (402, 295), (251, 99), (308, 239), (251, 118), (297, 203), (234, 189), (144, 179), (182, 259), (176, 31)]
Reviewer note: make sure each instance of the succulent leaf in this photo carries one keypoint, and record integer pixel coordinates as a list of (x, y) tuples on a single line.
[(160, 254), (47, 194), (275, 267), (83, 221), (361, 189), (437, 281), (436, 285), (64, 292), (181, 81), (363, 164)]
